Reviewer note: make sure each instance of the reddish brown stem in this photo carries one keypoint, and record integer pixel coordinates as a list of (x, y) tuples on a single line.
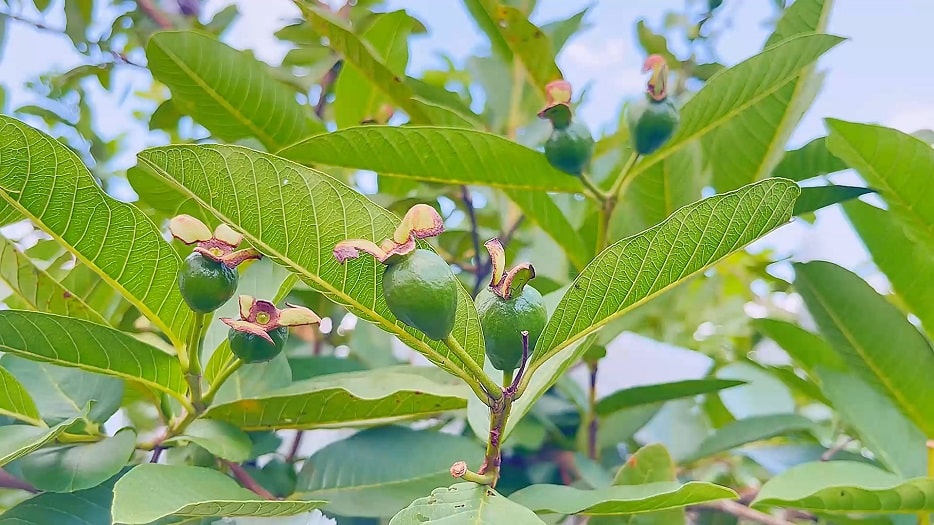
[(296, 443), (593, 425), (154, 14), (9, 481), (247, 481)]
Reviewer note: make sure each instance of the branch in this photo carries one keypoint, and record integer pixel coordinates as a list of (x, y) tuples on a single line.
[(741, 511), (593, 425), (8, 481), (247, 481), (154, 14), (474, 236), (832, 451), (326, 82), (34, 23), (296, 444)]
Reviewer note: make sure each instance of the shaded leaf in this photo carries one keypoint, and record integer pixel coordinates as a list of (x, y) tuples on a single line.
[(809, 161), (221, 439), (84, 507), (18, 440), (379, 471), (844, 486), (908, 265), (633, 270), (63, 393), (467, 504), (620, 499), (650, 464), (730, 93), (78, 467), (227, 91), (896, 164), (894, 440), (872, 336), (447, 156), (655, 44), (80, 344), (46, 182), (305, 214), (813, 198), (39, 290), (150, 491), (541, 209), (648, 394), (256, 380), (309, 367), (15, 401), (751, 429), (348, 399)]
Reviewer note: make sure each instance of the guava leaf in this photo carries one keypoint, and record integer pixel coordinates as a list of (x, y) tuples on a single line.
[(813, 198), (71, 468), (809, 161), (15, 400), (618, 499), (648, 394), (217, 437), (465, 504), (18, 440), (750, 429)]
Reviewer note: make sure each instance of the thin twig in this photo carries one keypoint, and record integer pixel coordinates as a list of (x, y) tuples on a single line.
[(593, 425), (741, 511), (474, 236), (326, 82), (154, 14), (156, 453), (296, 443), (247, 481), (9, 481), (834, 450)]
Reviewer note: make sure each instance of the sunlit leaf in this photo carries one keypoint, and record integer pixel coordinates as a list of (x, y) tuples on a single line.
[(844, 486), (467, 504), (620, 499), (648, 394), (650, 464), (302, 215), (221, 439), (15, 401), (751, 429), (77, 467), (150, 491), (47, 183), (84, 507), (809, 161)]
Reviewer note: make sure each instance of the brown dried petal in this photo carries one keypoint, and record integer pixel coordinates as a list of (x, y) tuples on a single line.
[(189, 230), (297, 316), (246, 327), (264, 313), (497, 260), (227, 235), (421, 221)]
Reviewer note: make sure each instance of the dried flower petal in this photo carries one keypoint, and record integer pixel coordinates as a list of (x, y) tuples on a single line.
[(227, 235), (246, 327), (497, 260), (507, 284), (421, 221), (189, 230), (658, 82), (297, 316)]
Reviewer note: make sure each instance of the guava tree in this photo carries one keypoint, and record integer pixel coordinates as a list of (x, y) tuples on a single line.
[(338, 242)]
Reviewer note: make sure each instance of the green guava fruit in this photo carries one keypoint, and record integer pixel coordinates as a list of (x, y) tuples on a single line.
[(421, 291)]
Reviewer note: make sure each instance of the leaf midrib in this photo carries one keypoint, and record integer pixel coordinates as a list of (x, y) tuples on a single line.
[(854, 344), (257, 132)]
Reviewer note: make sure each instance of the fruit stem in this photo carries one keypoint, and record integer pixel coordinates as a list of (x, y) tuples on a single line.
[(223, 376), (193, 349), (595, 192), (484, 386), (507, 378)]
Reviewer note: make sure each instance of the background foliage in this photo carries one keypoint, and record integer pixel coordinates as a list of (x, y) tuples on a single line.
[(820, 414)]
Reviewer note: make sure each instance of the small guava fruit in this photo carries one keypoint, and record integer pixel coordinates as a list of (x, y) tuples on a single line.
[(503, 320), (569, 149), (421, 291), (508, 307), (206, 284), (263, 329), (418, 285), (652, 119), (252, 348), (208, 277), (651, 123)]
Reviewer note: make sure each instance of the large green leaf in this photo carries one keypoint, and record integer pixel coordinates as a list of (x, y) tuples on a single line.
[(365, 60), (750, 429), (809, 161), (899, 166), (348, 399), (227, 91), (874, 338), (764, 128), (635, 269), (730, 93), (894, 440), (37, 288), (356, 98), (18, 440), (77, 467), (150, 491), (648, 394), (813, 198), (217, 437), (541, 209), (62, 393), (95, 348), (343, 473), (47, 183), (15, 401), (517, 40), (434, 154), (650, 464), (84, 507), (908, 265), (464, 504), (846, 486), (619, 499), (295, 215)]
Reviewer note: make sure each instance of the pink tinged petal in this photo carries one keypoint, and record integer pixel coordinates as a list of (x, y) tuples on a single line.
[(232, 260), (351, 248), (246, 304), (557, 92), (227, 235), (658, 82), (515, 280), (265, 314), (396, 253), (297, 316), (247, 327), (421, 221), (497, 260), (189, 230)]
